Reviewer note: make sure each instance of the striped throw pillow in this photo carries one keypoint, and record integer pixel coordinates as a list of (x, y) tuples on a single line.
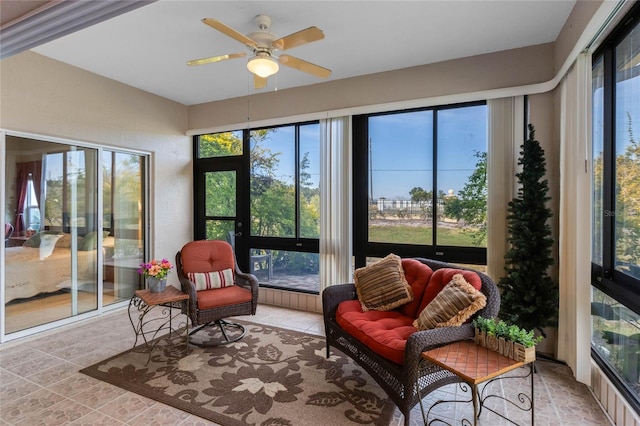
[(382, 286), (211, 280), (454, 305)]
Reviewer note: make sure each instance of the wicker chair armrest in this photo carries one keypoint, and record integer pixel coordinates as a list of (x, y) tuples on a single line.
[(187, 286), (246, 280), (425, 340), (250, 282), (422, 341), (333, 295)]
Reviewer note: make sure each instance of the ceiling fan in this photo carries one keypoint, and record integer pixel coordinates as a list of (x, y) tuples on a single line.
[(264, 44)]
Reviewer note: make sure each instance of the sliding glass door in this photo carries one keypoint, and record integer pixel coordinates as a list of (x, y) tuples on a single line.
[(123, 210), (60, 234), (51, 259)]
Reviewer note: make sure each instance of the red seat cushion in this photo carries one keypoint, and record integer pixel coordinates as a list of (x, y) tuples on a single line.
[(221, 297), (384, 332)]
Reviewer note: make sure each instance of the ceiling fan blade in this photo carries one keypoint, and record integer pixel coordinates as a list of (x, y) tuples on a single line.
[(216, 58), (304, 66), (259, 82), (298, 39), (215, 24)]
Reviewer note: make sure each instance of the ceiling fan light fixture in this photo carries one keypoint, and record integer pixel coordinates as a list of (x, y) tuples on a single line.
[(262, 66)]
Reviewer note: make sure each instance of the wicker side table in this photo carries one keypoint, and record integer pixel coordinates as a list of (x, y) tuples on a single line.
[(474, 365)]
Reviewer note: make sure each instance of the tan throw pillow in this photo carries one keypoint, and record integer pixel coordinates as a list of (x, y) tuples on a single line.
[(382, 286), (455, 304), (211, 280)]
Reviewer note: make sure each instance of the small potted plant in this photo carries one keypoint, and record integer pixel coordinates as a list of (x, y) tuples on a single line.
[(524, 343), (483, 327), (507, 339), (505, 345), (156, 272)]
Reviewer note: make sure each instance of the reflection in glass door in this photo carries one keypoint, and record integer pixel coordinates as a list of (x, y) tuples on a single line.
[(57, 244), (123, 224), (51, 260)]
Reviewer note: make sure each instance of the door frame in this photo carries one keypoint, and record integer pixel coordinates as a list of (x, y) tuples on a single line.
[(239, 165)]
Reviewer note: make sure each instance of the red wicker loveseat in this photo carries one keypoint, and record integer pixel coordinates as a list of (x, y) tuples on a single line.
[(387, 345)]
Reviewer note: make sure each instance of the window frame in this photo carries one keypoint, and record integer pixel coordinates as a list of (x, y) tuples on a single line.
[(624, 288), (242, 162), (362, 247)]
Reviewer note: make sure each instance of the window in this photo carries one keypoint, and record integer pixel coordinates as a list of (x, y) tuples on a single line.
[(277, 237), (616, 207), (285, 182), (421, 183), (31, 208), (123, 211)]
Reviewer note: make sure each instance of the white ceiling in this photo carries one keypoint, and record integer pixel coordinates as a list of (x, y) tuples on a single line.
[(148, 47)]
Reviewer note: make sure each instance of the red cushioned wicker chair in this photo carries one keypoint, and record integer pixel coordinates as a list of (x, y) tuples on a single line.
[(211, 306)]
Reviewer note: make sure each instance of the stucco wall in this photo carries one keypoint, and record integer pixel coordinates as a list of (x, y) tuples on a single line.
[(461, 77), (45, 97)]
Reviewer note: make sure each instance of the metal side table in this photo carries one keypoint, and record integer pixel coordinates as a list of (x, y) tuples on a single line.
[(474, 365), (144, 302)]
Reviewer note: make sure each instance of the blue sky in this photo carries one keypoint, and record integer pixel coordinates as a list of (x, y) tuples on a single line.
[(402, 150), (627, 105)]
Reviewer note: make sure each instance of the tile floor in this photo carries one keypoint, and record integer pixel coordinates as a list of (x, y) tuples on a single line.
[(40, 383)]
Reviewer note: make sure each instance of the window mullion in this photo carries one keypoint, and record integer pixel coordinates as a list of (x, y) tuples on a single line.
[(296, 187), (434, 191), (608, 249)]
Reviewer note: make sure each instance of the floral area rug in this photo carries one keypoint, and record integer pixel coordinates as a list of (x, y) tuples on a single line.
[(270, 377)]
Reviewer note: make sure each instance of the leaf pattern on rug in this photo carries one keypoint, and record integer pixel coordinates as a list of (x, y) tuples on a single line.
[(269, 353), (314, 354), (276, 422), (255, 381), (254, 388)]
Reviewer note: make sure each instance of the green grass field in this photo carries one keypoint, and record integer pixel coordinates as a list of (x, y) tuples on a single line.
[(420, 235)]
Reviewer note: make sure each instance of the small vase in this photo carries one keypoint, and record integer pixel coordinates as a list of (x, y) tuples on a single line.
[(156, 285)]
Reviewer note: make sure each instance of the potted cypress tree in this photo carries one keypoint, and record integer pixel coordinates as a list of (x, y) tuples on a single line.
[(529, 294)]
